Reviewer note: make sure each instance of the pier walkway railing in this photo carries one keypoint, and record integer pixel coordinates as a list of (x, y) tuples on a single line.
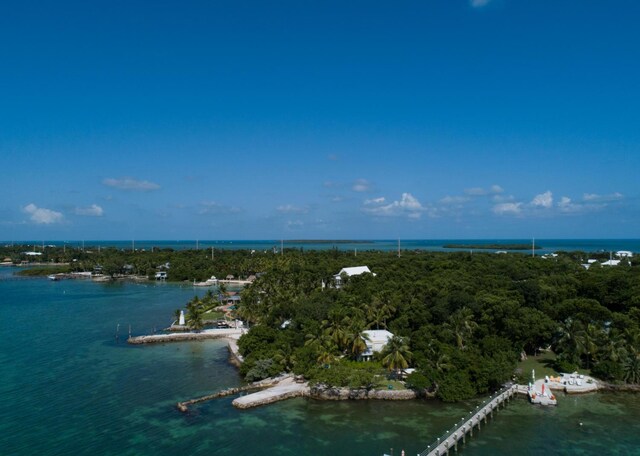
[(452, 437)]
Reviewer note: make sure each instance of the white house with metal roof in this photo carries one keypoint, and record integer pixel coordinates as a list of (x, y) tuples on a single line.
[(350, 272), (376, 339)]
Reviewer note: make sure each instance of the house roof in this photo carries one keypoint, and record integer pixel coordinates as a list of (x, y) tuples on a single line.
[(611, 263), (356, 270), (378, 335)]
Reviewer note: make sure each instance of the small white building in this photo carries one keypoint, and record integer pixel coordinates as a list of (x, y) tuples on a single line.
[(611, 263), (161, 275), (376, 339), (350, 272), (624, 254)]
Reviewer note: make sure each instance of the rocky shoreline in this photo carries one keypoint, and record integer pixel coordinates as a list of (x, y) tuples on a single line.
[(185, 336), (325, 393), (619, 388)]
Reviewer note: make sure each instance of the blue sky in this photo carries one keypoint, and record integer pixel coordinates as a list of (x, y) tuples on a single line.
[(319, 119)]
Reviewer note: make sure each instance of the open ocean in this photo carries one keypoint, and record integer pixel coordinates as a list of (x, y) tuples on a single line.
[(68, 387)]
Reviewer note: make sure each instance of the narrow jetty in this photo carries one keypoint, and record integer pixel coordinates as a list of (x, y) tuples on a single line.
[(179, 337), (279, 383), (458, 433)]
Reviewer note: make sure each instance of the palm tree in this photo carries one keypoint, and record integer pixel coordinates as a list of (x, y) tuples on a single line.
[(631, 367), (588, 341), (337, 327), (442, 363), (614, 348), (568, 341), (194, 319), (323, 346), (285, 357), (397, 354), (247, 312), (461, 326), (357, 343), (378, 312)]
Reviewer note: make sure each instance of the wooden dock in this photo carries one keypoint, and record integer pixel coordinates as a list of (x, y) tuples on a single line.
[(458, 434)]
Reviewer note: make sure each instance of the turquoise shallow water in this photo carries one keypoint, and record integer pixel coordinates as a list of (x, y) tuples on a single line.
[(68, 387)]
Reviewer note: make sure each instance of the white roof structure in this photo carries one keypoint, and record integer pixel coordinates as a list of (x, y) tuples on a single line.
[(349, 272), (356, 270), (376, 340), (624, 254), (611, 263)]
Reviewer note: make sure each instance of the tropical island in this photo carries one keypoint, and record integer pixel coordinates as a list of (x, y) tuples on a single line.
[(460, 324)]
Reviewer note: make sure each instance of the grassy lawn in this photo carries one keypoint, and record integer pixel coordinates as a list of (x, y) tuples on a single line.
[(542, 364), (213, 315), (383, 383)]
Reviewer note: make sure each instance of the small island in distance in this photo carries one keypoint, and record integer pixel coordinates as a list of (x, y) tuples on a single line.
[(492, 246), (325, 241)]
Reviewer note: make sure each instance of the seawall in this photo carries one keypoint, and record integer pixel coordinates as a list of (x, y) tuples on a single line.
[(186, 336)]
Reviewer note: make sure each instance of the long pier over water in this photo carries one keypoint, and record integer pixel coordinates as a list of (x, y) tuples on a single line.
[(450, 440)]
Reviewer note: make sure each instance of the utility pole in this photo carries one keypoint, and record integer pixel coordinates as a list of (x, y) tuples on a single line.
[(211, 253), (533, 247), (398, 248)]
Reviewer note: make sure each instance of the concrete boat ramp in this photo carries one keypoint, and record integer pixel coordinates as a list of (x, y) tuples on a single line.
[(184, 336), (285, 389), (272, 390)]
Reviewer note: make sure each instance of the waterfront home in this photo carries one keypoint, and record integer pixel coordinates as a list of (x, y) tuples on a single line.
[(376, 339), (349, 272), (230, 299), (162, 275)]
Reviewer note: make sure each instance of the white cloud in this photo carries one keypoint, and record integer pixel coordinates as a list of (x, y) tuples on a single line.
[(602, 198), (480, 191), (43, 216), (408, 205), (90, 211), (479, 3), (507, 208), (454, 199), (291, 209), (379, 200), (129, 183), (567, 206), (361, 185), (502, 198), (543, 200), (214, 208)]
